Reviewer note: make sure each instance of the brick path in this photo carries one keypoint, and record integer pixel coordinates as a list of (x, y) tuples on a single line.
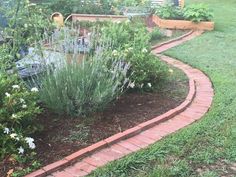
[(195, 106)]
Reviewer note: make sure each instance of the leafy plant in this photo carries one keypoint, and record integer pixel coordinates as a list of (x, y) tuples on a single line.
[(18, 110), (131, 2), (131, 42), (195, 12), (26, 25), (79, 6), (198, 12), (169, 11), (6, 59), (156, 34)]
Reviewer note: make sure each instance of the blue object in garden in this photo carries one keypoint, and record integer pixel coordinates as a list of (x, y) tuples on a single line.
[(34, 63), (3, 24), (136, 11), (3, 21), (23, 51), (176, 2)]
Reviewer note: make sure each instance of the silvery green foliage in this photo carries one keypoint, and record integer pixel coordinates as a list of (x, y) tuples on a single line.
[(81, 88)]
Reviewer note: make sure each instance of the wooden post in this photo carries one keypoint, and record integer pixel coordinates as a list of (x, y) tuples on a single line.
[(181, 3)]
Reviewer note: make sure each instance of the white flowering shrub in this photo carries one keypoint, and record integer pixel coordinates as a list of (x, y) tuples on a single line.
[(18, 110), (14, 142)]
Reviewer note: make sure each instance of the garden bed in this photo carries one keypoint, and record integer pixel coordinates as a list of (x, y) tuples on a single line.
[(94, 18), (182, 24), (63, 135)]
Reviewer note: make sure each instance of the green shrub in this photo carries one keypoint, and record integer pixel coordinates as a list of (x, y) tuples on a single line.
[(156, 34), (131, 2), (18, 110), (81, 89), (195, 12), (148, 71), (198, 12), (131, 41), (79, 6), (110, 7), (27, 23), (6, 60), (169, 11)]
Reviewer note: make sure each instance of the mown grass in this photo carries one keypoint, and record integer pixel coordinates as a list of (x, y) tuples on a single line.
[(208, 147)]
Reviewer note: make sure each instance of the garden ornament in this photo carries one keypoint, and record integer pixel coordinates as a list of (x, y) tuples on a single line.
[(58, 19)]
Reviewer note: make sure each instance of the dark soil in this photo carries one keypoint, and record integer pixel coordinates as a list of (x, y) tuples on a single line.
[(61, 137)]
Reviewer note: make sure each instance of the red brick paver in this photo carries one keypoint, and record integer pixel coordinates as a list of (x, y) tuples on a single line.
[(193, 108)]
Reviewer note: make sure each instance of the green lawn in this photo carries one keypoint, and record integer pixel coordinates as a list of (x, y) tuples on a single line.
[(208, 147)]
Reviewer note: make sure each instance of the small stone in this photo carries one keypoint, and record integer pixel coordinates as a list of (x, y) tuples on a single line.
[(234, 165), (233, 168), (166, 32), (199, 170)]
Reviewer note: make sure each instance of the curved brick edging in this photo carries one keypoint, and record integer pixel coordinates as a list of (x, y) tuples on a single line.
[(175, 42), (194, 107), (172, 40)]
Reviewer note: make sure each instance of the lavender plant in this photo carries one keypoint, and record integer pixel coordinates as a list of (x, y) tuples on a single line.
[(85, 86)]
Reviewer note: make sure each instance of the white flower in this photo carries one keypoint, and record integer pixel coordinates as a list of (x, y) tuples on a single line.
[(32, 146), (29, 139), (30, 142), (171, 70), (14, 116), (21, 150), (22, 100), (149, 85), (34, 89), (132, 85), (130, 48), (114, 53), (16, 86), (13, 135), (31, 4), (24, 106), (7, 94), (6, 131), (144, 50)]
